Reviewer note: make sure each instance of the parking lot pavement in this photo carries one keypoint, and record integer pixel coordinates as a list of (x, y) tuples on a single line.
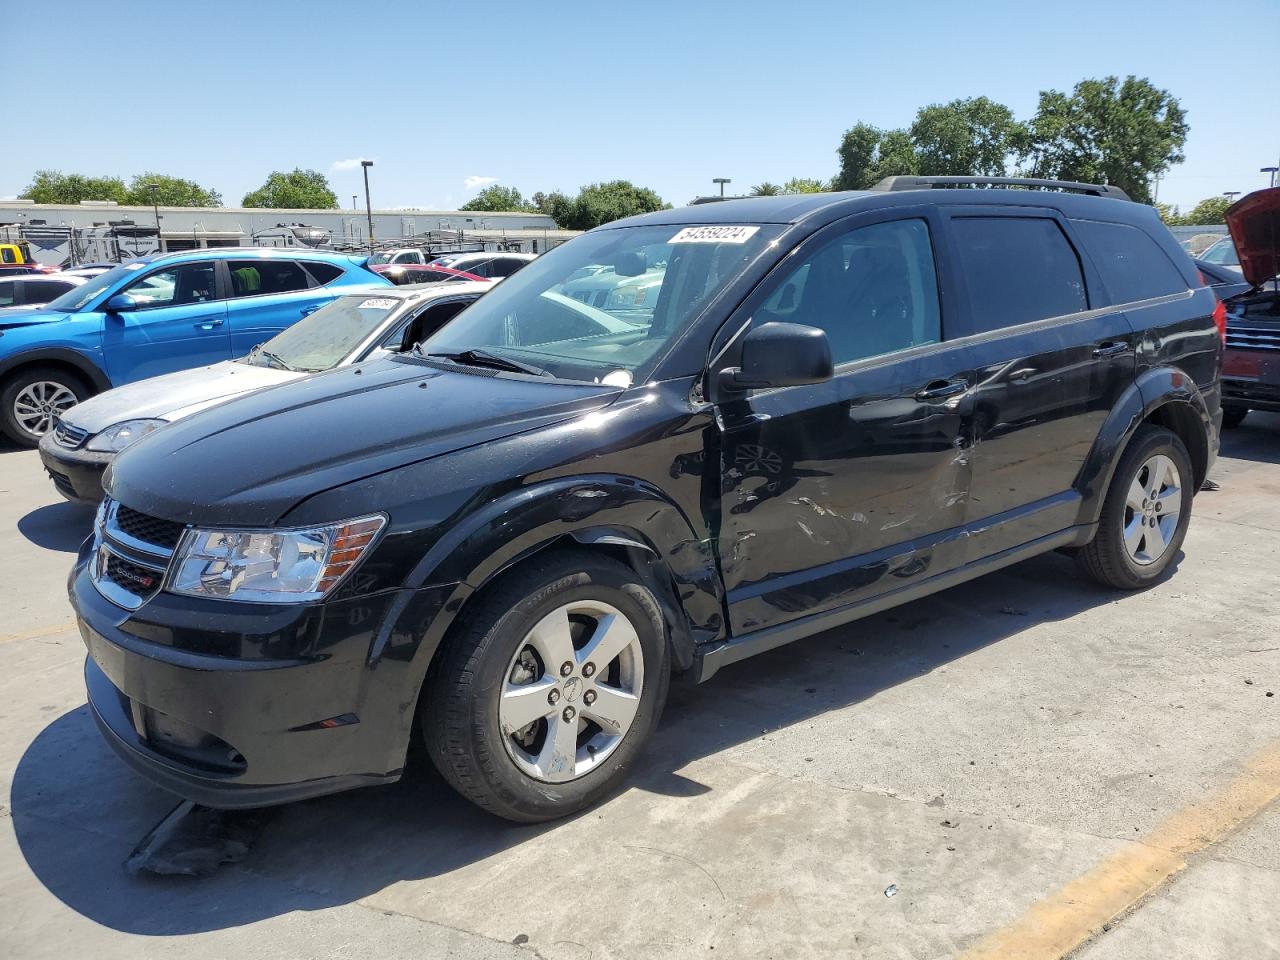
[(995, 771)]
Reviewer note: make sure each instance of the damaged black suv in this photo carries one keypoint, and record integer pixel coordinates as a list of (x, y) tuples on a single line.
[(761, 419)]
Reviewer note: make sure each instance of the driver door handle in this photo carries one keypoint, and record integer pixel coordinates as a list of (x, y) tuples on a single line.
[(1112, 348), (940, 389), (208, 323)]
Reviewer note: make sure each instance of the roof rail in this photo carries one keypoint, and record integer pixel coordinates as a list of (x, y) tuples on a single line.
[(928, 183)]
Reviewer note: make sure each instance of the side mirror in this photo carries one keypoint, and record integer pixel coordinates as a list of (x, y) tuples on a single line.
[(121, 303), (780, 355)]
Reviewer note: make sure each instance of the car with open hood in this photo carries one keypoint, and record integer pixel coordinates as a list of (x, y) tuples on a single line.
[(1251, 364), (507, 539), (364, 323)]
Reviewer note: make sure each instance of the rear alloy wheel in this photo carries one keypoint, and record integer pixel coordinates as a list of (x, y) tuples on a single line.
[(1145, 515), (540, 701), (31, 401)]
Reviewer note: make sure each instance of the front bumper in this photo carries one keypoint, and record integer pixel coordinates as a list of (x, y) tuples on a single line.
[(77, 474), (250, 706)]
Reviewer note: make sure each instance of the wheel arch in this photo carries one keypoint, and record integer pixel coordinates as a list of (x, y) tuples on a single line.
[(61, 357)]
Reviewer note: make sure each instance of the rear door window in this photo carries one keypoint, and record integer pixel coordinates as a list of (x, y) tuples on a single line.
[(8, 292), (506, 266), (1132, 265), (42, 291), (255, 278), (1017, 270)]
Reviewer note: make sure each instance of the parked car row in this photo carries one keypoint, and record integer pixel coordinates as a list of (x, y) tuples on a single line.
[(666, 445)]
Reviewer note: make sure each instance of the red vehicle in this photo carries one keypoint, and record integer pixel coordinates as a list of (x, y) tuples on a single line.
[(402, 273), (1251, 363)]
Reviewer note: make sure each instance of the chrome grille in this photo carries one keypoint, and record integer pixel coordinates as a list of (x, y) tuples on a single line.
[(65, 435), (132, 554), (1253, 338)]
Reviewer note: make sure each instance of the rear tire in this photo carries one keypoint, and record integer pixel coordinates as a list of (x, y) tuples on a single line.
[(1232, 417), (519, 717), (32, 397), (1145, 515)]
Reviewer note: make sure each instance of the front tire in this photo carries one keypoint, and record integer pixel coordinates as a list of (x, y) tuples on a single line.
[(1145, 515), (541, 700), (30, 400)]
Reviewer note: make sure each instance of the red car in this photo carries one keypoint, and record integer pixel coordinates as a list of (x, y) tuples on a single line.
[(402, 273), (1251, 363)]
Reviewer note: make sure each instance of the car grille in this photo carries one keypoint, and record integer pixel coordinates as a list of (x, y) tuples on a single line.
[(1253, 338), (131, 553), (65, 435), (63, 484)]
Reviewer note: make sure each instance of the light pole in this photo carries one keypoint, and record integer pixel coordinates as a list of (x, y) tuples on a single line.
[(368, 208), (155, 208), (722, 181), (355, 202), (1231, 195), (1273, 171)]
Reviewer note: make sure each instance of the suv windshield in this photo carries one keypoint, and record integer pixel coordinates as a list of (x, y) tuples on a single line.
[(325, 338), (77, 297), (606, 305)]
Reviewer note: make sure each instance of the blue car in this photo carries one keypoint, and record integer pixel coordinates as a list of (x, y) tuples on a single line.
[(156, 315)]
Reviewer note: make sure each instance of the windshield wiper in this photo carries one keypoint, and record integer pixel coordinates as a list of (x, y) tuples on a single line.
[(483, 358), (270, 357)]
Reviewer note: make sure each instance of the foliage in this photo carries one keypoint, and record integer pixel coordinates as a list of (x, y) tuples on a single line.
[(766, 189), (804, 185), (974, 137), (556, 205), (599, 203), (1211, 210), (298, 190), (1107, 131), (498, 199), (868, 155), (53, 186), (172, 192)]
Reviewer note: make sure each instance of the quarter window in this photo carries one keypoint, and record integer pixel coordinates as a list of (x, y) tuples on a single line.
[(323, 272), (253, 278), (1017, 270), (873, 290), (188, 283), (1132, 265)]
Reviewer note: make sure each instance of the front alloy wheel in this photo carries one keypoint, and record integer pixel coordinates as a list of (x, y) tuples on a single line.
[(548, 686), (32, 400)]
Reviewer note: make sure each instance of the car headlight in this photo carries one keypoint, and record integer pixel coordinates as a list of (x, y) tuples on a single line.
[(119, 435), (271, 566)]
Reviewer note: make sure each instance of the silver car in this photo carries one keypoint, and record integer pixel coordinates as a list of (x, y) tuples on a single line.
[(363, 325)]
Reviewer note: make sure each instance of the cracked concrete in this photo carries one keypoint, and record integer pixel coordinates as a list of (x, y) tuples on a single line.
[(980, 750)]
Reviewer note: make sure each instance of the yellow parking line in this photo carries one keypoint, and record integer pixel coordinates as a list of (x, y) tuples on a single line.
[(40, 632), (1057, 924)]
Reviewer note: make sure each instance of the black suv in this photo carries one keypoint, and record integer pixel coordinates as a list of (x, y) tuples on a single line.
[(792, 412)]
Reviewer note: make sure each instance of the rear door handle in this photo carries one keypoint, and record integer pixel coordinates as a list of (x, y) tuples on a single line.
[(939, 389), (1111, 349), (1023, 375), (208, 323)]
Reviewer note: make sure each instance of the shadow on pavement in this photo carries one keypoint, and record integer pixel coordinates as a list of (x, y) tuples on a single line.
[(58, 526), (1257, 438), (78, 812)]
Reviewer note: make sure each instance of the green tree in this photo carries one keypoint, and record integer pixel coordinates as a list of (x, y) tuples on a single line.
[(868, 155), (974, 137), (1169, 215), (599, 203), (299, 190), (1208, 211), (1124, 133), (766, 189), (53, 186), (498, 199), (556, 205), (804, 185), (172, 192)]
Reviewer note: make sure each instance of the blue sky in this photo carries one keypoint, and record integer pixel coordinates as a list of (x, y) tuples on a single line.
[(554, 95)]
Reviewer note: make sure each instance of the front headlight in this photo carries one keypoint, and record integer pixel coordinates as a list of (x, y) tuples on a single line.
[(271, 566), (119, 435)]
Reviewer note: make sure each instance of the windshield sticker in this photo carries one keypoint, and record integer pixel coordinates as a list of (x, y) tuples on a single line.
[(378, 303), (716, 234)]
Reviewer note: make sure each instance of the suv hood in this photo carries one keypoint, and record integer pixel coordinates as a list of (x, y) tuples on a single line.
[(174, 395), (11, 317), (1254, 222), (248, 461)]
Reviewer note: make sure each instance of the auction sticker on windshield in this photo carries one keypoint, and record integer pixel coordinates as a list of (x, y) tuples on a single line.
[(378, 303), (716, 234)]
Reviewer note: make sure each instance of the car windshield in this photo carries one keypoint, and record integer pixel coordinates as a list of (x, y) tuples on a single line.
[(77, 297), (1223, 252), (325, 338), (605, 306)]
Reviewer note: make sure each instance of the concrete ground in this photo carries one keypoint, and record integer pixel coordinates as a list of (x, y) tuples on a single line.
[(1032, 766)]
